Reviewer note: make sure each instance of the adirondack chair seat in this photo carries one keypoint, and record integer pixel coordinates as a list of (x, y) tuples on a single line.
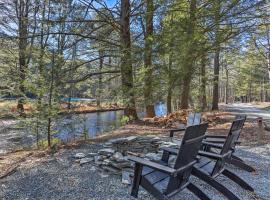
[(157, 179)]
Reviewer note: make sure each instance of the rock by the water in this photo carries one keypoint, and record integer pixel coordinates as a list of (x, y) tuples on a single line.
[(79, 155)]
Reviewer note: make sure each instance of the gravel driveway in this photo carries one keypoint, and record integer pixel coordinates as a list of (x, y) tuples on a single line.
[(60, 177)]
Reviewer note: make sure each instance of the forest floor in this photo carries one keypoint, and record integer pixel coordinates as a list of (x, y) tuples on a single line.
[(59, 176), (43, 175)]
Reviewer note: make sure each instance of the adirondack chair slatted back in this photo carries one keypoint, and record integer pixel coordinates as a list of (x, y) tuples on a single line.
[(244, 117), (229, 144), (194, 119), (187, 154)]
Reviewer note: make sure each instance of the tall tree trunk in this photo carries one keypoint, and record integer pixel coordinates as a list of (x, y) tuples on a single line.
[(227, 86), (216, 81), (189, 58), (101, 60), (203, 83), (169, 94), (126, 62), (22, 9), (216, 58), (50, 102), (148, 82)]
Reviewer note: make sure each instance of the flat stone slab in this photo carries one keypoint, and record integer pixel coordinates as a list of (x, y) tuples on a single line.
[(79, 155), (106, 151), (86, 160)]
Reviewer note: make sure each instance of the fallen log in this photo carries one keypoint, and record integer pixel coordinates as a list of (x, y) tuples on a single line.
[(10, 170)]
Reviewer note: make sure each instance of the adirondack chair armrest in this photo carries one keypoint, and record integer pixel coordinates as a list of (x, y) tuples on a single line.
[(218, 140), (218, 146), (172, 131), (170, 150), (210, 155), (153, 165)]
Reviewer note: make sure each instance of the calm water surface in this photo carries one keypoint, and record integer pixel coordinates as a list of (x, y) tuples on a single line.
[(93, 124)]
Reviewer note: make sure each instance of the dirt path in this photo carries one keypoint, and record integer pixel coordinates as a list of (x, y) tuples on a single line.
[(248, 109)]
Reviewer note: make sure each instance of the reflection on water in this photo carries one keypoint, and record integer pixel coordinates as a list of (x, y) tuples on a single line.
[(92, 124), (89, 125)]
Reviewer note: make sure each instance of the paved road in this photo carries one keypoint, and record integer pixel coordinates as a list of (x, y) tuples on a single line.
[(248, 109)]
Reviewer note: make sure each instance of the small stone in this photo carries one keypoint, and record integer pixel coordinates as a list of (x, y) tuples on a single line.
[(86, 160), (120, 165), (107, 144), (92, 154), (169, 145), (118, 140), (98, 160), (106, 162), (111, 169), (131, 138), (153, 156), (172, 160), (126, 177), (118, 157), (79, 155), (106, 151), (103, 175), (93, 168)]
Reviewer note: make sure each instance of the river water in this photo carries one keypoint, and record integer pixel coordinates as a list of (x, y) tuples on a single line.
[(93, 124), (66, 128)]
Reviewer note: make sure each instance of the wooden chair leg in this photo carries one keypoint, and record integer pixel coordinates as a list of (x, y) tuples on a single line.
[(238, 180), (165, 156), (237, 158), (195, 190), (209, 180), (136, 180), (241, 164)]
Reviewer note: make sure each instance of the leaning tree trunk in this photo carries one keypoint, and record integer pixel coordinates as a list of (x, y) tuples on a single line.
[(22, 15), (189, 58), (148, 86), (126, 62)]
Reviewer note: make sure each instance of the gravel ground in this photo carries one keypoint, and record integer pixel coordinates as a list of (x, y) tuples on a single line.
[(60, 177)]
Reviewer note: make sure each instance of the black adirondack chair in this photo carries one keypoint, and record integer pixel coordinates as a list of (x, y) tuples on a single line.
[(217, 141), (212, 164), (163, 181), (193, 119)]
